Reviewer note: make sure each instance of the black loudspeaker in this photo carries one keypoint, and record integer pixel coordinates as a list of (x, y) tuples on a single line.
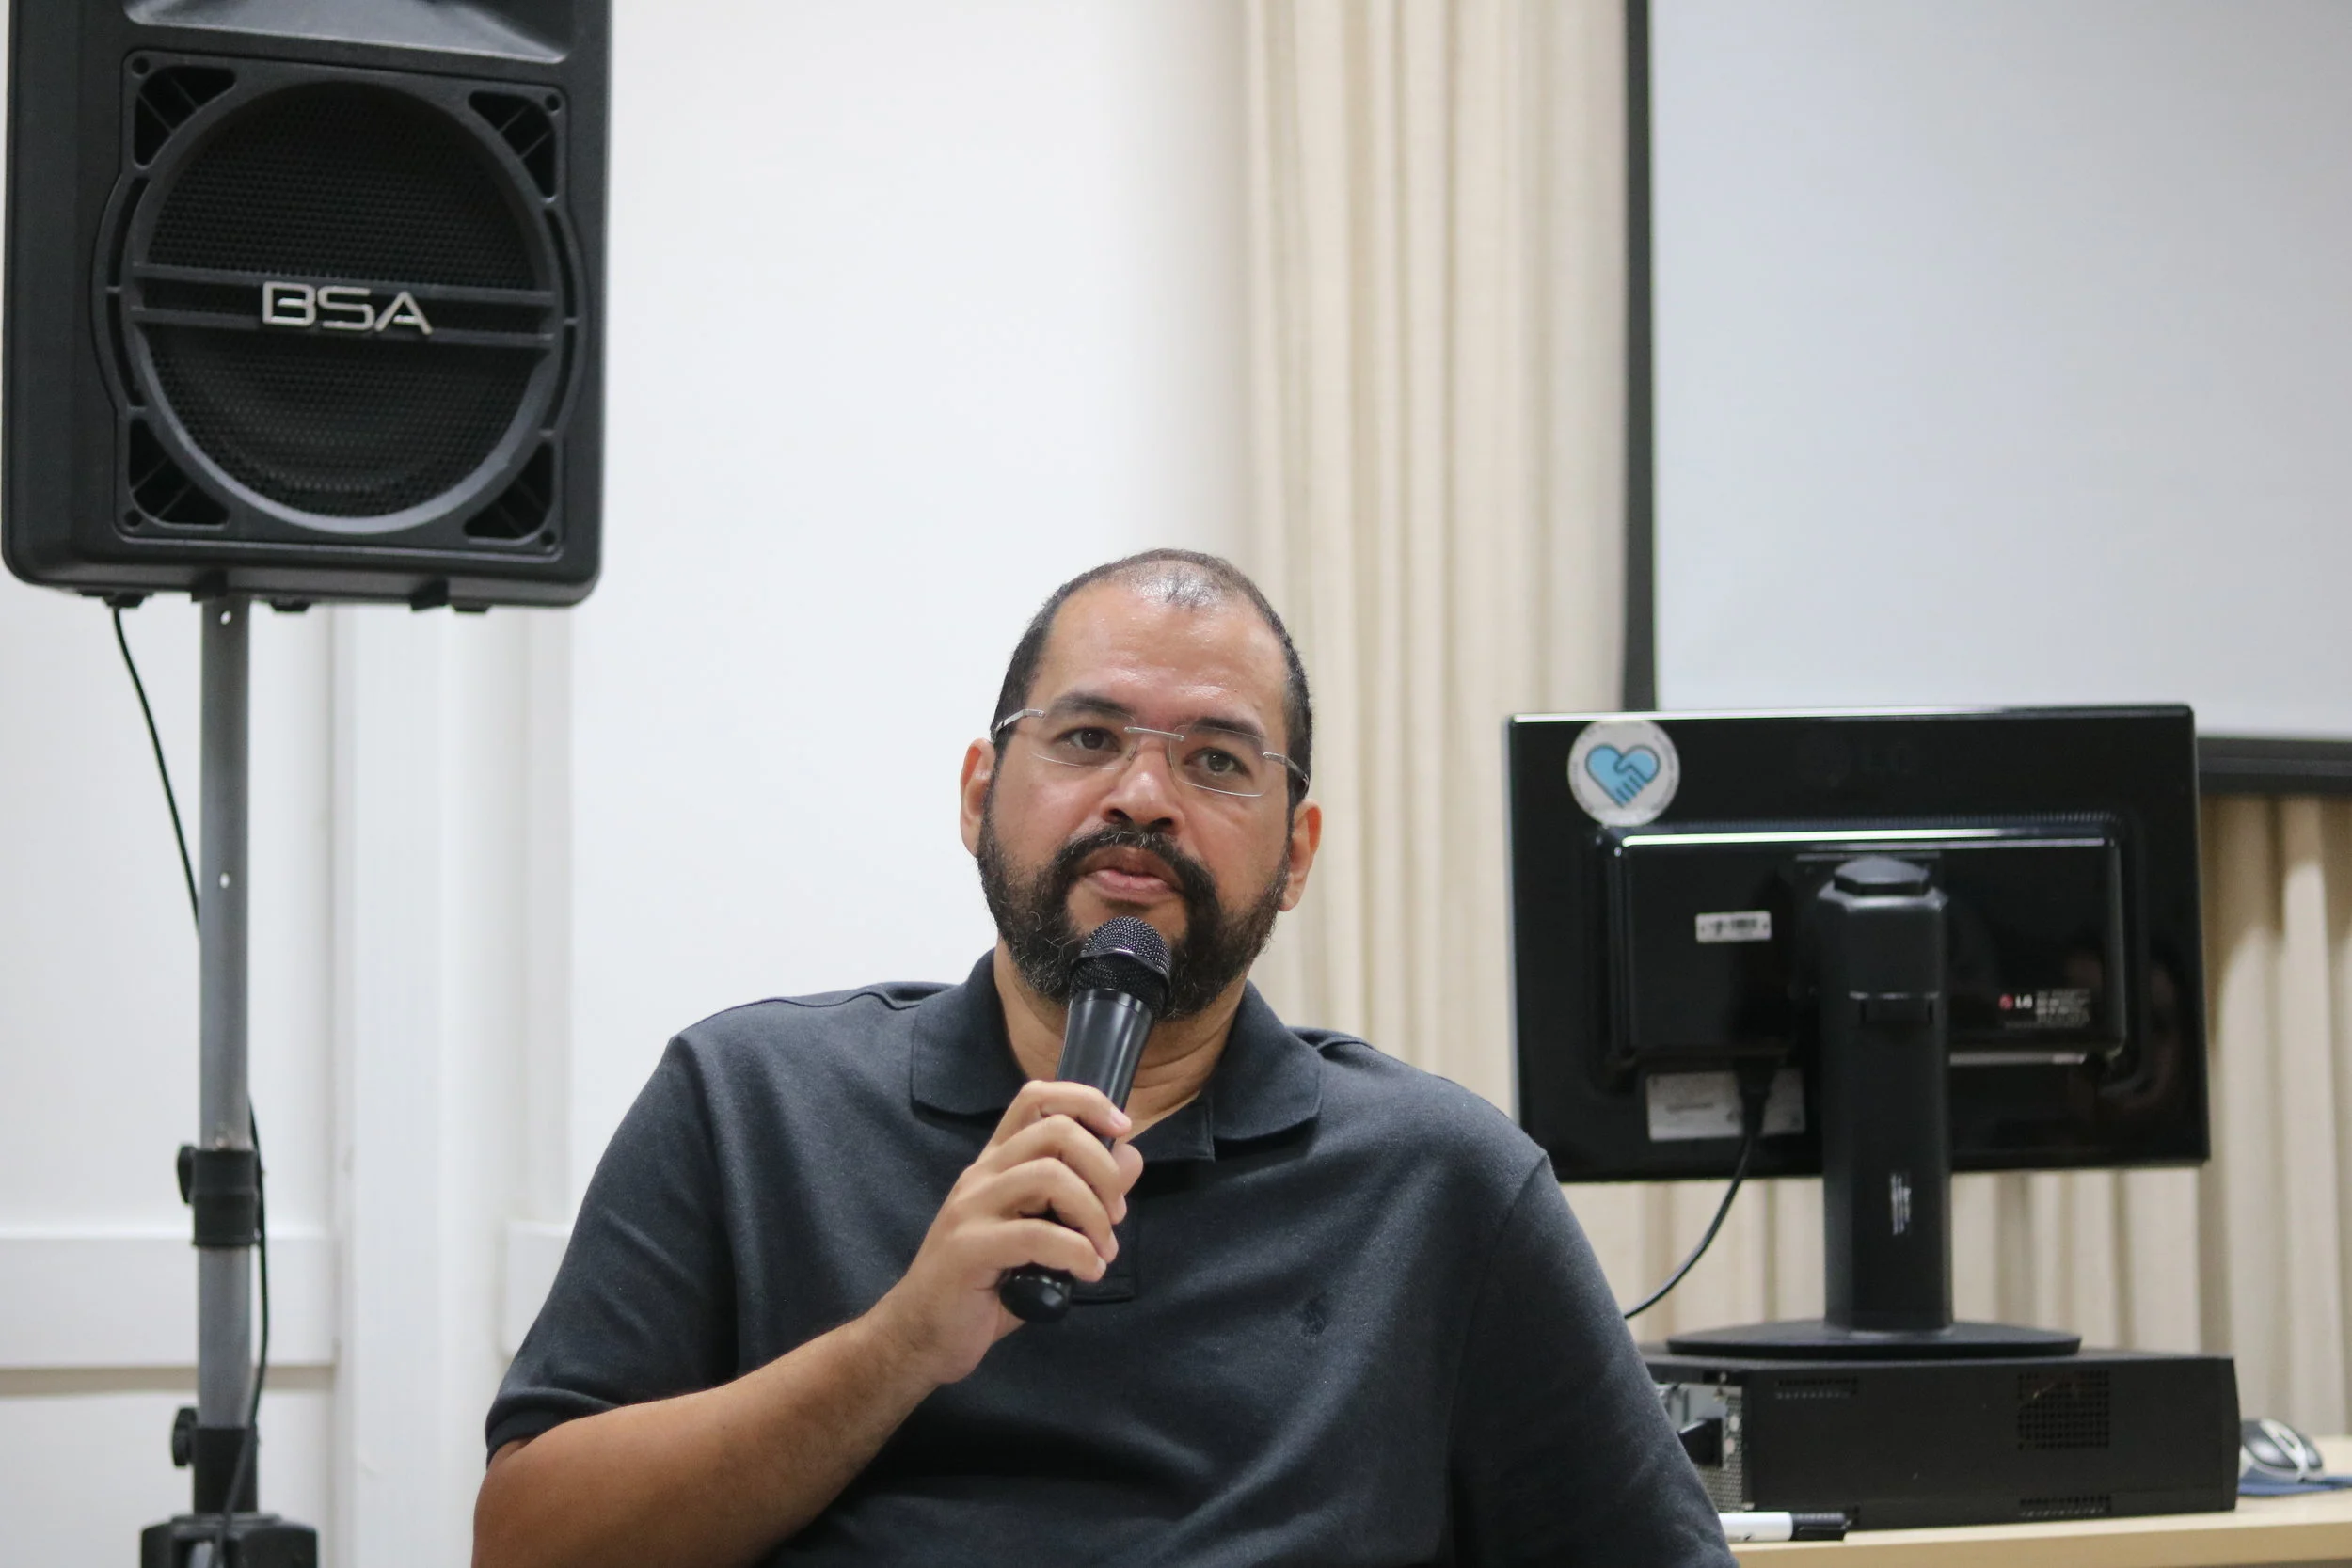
[(302, 297)]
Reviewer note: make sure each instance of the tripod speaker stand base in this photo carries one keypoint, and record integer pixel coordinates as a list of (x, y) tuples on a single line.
[(255, 1541)]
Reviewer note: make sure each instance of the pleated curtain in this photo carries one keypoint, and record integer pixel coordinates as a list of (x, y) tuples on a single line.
[(1437, 322), (1437, 272), (2273, 1224)]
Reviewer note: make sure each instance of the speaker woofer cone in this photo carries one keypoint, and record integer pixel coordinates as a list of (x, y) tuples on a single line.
[(342, 300), (340, 429)]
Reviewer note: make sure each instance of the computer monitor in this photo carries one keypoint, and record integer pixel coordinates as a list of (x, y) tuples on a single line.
[(1904, 943)]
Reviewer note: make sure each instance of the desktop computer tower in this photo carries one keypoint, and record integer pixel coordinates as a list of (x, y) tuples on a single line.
[(1898, 1445)]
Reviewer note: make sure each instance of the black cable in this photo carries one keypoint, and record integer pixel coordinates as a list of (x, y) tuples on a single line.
[(1739, 1174), (261, 1366), (253, 1128), (1754, 1076), (179, 834)]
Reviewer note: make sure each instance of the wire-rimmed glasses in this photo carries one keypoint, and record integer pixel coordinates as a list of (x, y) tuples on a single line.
[(1205, 754)]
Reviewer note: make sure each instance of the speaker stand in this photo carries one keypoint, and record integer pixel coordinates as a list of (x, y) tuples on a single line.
[(221, 1175)]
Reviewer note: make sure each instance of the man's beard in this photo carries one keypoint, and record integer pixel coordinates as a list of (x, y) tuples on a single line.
[(1033, 917)]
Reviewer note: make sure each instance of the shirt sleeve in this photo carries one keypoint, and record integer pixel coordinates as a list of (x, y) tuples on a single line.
[(1561, 1452), (644, 1305)]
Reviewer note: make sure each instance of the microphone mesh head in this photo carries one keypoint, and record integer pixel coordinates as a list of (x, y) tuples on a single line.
[(1126, 955)]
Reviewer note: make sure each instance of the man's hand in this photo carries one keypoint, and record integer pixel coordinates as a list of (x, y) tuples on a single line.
[(1045, 1190), (719, 1476)]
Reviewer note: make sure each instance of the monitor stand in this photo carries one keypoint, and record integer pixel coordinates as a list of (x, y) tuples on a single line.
[(1886, 1161)]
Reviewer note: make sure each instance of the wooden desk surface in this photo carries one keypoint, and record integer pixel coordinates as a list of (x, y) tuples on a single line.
[(2315, 1527)]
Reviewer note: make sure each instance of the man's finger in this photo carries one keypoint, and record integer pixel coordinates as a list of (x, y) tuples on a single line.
[(1060, 1138), (1047, 1186), (1019, 1242), (1083, 1103)]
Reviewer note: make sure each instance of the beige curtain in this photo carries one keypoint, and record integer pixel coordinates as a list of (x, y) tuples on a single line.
[(1437, 286), (2273, 1221), (1437, 246)]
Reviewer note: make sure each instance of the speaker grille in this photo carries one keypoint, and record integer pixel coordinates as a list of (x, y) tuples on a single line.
[(344, 180), (336, 199), (162, 491), (343, 429), (167, 100)]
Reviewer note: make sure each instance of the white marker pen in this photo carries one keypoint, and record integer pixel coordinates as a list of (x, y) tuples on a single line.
[(1765, 1525)]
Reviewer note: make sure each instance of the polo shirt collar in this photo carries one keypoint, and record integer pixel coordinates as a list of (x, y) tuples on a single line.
[(1268, 1081), (963, 1061)]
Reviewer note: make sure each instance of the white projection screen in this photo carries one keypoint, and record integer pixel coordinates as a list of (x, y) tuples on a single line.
[(2003, 354)]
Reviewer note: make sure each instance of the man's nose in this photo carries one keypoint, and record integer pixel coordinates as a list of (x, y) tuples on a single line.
[(1144, 793)]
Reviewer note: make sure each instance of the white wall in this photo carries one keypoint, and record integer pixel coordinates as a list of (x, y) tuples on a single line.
[(2000, 353), (918, 306), (98, 1065)]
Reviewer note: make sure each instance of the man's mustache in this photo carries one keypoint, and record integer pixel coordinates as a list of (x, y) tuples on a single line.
[(1192, 879)]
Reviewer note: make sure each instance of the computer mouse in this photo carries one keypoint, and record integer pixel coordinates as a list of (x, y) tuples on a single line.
[(2276, 1450)]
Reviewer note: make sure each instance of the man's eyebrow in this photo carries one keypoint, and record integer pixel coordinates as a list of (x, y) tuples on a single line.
[(1087, 701), (1241, 727)]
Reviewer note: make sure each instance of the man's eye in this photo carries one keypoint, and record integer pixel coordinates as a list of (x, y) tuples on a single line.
[(1087, 738)]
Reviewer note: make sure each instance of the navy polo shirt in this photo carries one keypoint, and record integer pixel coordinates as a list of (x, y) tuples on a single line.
[(1351, 1321)]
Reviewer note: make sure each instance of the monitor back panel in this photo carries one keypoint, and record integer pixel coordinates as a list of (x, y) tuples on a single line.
[(1647, 958)]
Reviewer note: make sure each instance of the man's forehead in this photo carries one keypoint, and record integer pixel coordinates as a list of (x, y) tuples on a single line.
[(1128, 643)]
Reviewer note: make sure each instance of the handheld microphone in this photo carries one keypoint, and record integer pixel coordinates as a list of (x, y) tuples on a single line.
[(1122, 986)]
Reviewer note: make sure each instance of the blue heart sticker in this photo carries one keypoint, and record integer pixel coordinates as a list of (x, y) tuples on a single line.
[(1623, 774)]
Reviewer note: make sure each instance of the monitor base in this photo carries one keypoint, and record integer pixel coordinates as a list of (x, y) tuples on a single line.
[(1816, 1340)]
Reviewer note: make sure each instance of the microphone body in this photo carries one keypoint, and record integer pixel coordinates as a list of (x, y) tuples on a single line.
[(1121, 986), (1104, 1041)]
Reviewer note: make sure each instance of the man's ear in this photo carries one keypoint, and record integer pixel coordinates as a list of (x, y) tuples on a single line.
[(1305, 838), (979, 771)]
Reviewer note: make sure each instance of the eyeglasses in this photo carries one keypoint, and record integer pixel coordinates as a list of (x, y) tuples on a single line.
[(1210, 757)]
